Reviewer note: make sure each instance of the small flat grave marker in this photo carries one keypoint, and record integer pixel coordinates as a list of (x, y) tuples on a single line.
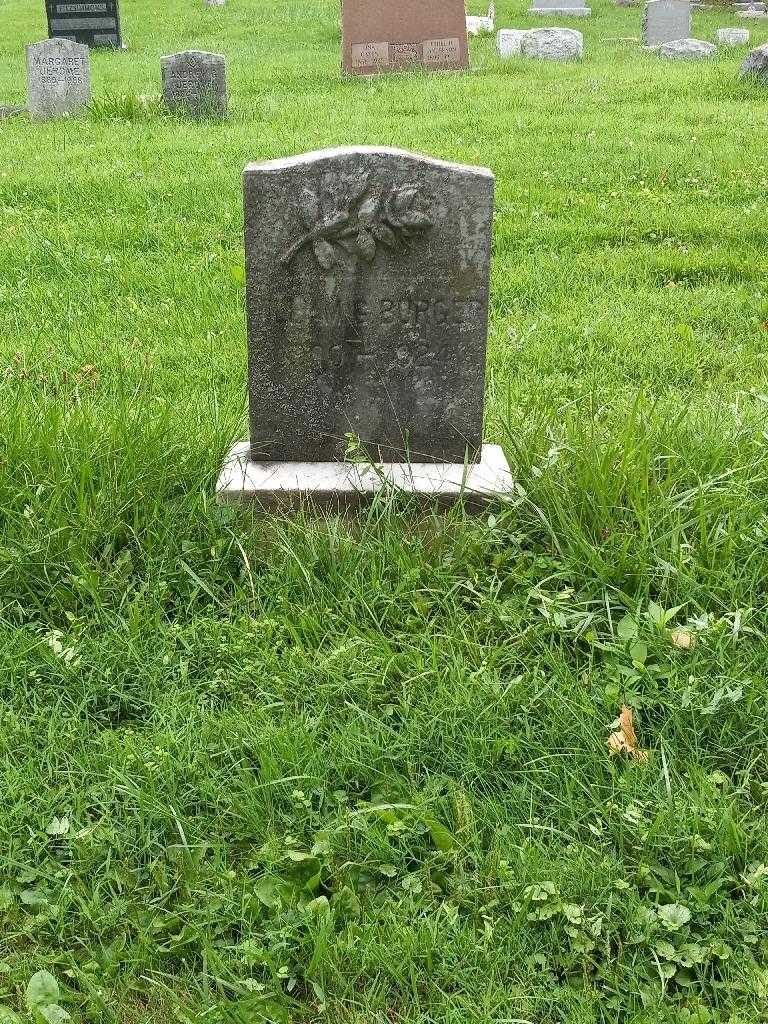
[(687, 49), (553, 44), (58, 77)]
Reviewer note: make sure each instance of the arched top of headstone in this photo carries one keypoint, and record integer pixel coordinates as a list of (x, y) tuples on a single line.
[(58, 44), (318, 157), (193, 55)]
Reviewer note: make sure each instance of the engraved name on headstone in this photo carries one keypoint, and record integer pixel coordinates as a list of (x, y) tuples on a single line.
[(367, 296), (58, 77), (91, 22), (666, 20), (398, 34), (194, 83)]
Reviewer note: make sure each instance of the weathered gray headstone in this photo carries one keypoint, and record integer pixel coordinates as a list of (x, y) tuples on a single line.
[(756, 64), (367, 298), (194, 83), (214, 3), (509, 41), (732, 36), (553, 44), (58, 77), (561, 8), (687, 49), (665, 21)]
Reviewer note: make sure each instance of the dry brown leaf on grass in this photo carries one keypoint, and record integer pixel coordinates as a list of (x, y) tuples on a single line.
[(624, 740), (682, 639)]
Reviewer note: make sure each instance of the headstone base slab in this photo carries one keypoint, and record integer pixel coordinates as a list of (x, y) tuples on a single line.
[(563, 12), (350, 485)]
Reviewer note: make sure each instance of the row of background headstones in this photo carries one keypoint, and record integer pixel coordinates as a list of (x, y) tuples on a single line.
[(96, 23), (59, 80), (194, 82), (664, 21)]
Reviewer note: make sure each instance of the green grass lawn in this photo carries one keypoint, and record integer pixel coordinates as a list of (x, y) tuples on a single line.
[(357, 770)]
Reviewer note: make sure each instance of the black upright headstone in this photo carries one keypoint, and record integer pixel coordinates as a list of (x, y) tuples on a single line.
[(93, 22)]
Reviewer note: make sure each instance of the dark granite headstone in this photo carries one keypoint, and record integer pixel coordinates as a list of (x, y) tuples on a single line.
[(367, 295), (194, 83), (92, 22)]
